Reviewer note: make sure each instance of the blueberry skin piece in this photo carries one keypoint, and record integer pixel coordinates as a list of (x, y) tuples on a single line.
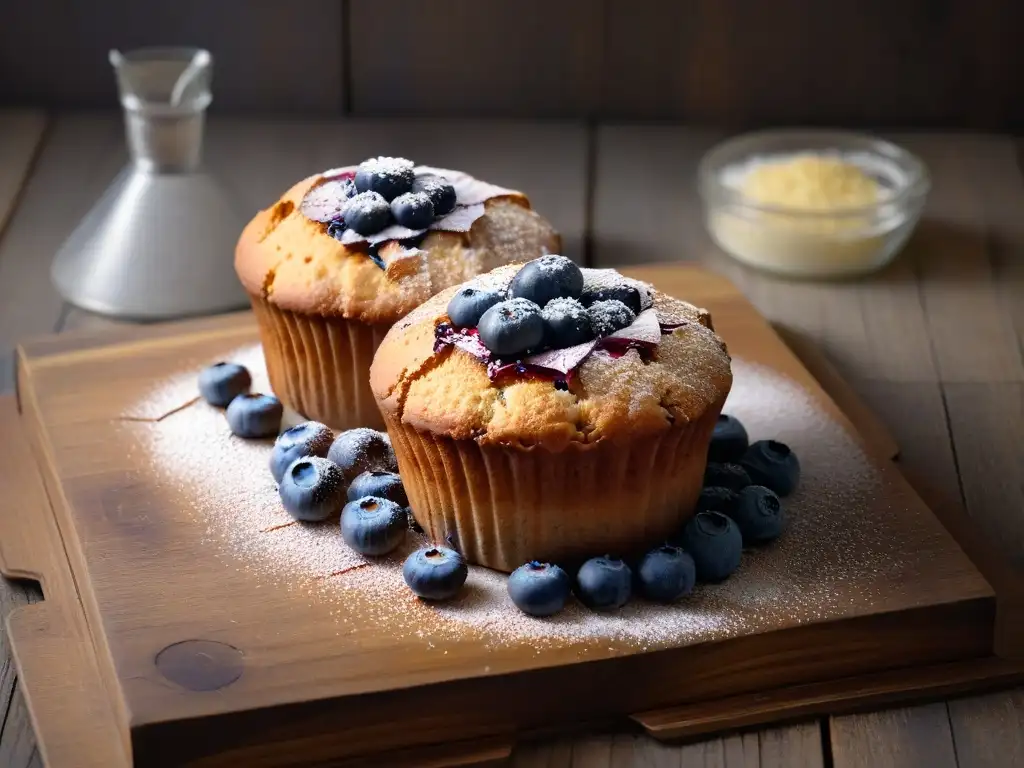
[(413, 210), (731, 476), (666, 574), (759, 514), (729, 441), (715, 544), (373, 526), (511, 327), (362, 450), (312, 489), (439, 190), (627, 294), (547, 278), (716, 499), (221, 383), (255, 415), (435, 573), (604, 583), (367, 213), (468, 305), (539, 589), (566, 323), (384, 485), (607, 317), (773, 465), (389, 177), (311, 438)]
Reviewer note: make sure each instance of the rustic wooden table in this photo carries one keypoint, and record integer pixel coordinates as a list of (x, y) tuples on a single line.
[(935, 345)]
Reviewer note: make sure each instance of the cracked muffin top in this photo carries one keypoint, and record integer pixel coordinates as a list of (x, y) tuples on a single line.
[(548, 354), (373, 241)]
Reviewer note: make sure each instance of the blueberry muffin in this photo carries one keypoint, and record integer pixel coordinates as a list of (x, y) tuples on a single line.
[(344, 254), (549, 413)]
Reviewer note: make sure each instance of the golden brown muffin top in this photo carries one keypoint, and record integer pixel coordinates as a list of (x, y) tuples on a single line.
[(444, 390), (292, 260)]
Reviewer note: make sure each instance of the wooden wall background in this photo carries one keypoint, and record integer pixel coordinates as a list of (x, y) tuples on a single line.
[(884, 63)]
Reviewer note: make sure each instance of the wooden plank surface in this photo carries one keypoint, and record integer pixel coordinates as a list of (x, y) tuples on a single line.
[(955, 413)]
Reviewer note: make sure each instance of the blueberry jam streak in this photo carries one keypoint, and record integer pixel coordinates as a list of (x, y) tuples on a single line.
[(559, 366)]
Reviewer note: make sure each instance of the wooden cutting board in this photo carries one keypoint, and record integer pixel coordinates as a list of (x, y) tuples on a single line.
[(173, 634)]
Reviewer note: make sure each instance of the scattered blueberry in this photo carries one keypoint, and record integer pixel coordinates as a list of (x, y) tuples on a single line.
[(511, 327), (336, 228), (604, 583), (716, 499), (389, 177), (566, 323), (311, 438), (439, 190), (539, 589), (254, 415), (773, 465), (469, 304), (367, 213), (758, 514), (547, 278), (435, 573), (413, 210), (385, 485), (362, 450), (609, 316), (715, 544), (666, 574), (312, 489), (627, 294), (221, 383), (731, 476), (373, 526), (729, 441)]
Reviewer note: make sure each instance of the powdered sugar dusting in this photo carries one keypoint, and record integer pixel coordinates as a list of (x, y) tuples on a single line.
[(839, 556)]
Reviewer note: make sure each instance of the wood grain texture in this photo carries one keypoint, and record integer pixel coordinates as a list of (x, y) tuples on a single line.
[(799, 61), (988, 731), (266, 56), (463, 58), (895, 738)]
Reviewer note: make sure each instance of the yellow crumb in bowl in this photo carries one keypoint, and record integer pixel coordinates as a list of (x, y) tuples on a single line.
[(810, 183), (799, 236)]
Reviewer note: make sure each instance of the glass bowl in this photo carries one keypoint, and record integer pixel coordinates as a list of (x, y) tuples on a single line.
[(815, 243)]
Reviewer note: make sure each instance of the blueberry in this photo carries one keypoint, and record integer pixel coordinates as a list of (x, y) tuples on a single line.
[(731, 476), (729, 441), (389, 177), (311, 438), (716, 499), (604, 583), (367, 213), (254, 415), (373, 526), (511, 327), (607, 317), (758, 514), (413, 210), (547, 278), (566, 323), (539, 589), (627, 294), (469, 304), (439, 190), (435, 573), (666, 574), (362, 450), (221, 383), (385, 485), (715, 544), (312, 488), (773, 465)]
